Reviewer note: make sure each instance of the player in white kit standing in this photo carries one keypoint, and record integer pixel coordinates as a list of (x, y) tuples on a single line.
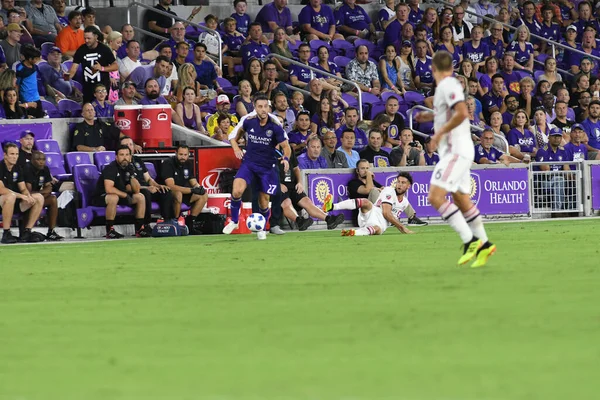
[(452, 174)]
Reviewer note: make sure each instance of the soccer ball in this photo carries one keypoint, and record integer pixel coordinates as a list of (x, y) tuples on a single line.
[(256, 222)]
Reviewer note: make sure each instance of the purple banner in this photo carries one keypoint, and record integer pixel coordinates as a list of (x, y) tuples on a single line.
[(12, 132), (494, 191), (595, 176)]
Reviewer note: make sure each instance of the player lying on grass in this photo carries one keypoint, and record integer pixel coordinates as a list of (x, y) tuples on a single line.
[(374, 219)]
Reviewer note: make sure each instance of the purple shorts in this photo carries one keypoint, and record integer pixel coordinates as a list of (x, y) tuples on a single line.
[(265, 178)]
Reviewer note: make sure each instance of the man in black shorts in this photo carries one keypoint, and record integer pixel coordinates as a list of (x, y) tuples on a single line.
[(151, 190), (38, 179), (15, 196), (177, 173), (293, 196), (118, 186)]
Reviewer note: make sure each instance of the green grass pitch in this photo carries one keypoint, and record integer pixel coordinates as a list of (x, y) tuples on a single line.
[(304, 316)]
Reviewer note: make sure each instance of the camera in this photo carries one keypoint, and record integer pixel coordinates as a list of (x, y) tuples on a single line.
[(414, 144)]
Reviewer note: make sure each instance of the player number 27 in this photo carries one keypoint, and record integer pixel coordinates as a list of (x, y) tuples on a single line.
[(272, 189)]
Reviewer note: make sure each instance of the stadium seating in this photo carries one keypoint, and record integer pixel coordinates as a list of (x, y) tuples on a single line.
[(48, 146), (69, 108), (103, 158), (51, 109), (55, 163), (76, 158), (151, 170)]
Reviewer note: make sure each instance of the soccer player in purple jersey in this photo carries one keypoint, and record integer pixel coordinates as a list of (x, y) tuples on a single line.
[(263, 135)]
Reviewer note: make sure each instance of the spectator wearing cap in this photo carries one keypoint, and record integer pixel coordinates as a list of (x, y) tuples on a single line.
[(394, 28), (27, 142), (254, 47), (312, 158), (71, 38), (45, 22), (588, 44), (141, 74), (335, 159), (373, 153), (53, 74), (128, 92), (11, 45), (223, 105), (575, 146), (591, 127), (485, 153), (15, 196)]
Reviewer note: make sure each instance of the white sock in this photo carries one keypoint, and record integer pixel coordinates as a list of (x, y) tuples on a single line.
[(455, 219), (475, 222), (351, 204), (366, 231)]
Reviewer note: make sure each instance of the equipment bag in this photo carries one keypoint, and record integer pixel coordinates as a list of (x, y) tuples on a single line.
[(165, 229)]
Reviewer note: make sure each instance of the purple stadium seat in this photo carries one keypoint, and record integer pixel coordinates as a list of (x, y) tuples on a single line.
[(51, 109), (294, 46), (86, 176), (413, 98), (77, 158), (102, 158), (376, 108), (386, 95), (523, 74), (343, 47), (67, 64), (55, 163), (341, 61), (77, 85), (537, 74), (69, 108), (48, 146), (151, 170), (227, 86), (351, 100), (314, 60)]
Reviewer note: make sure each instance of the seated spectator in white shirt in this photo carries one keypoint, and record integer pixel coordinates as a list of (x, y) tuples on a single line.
[(131, 62)]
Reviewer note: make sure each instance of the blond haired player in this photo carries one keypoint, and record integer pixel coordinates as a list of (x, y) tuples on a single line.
[(374, 219), (452, 135)]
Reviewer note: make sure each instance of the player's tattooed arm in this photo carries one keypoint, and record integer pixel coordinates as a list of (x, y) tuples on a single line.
[(386, 209)]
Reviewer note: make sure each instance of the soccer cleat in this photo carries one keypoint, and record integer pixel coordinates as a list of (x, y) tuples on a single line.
[(112, 234), (276, 230), (230, 227), (484, 252), (261, 235), (143, 232), (470, 251), (303, 223), (348, 232), (52, 236), (334, 220), (8, 238), (414, 221), (327, 203)]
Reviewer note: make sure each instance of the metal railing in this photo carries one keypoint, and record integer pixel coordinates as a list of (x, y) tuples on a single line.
[(473, 127), (321, 72), (552, 42), (177, 18), (556, 191)]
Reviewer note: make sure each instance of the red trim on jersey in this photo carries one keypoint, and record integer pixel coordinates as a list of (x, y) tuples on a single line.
[(449, 169)]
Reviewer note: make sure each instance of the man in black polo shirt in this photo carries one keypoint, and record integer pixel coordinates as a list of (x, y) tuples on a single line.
[(178, 174), (15, 196), (151, 190), (118, 186), (89, 134), (39, 180), (27, 139), (373, 153)]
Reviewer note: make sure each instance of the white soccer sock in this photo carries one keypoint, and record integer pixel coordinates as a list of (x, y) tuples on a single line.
[(475, 222), (369, 230), (455, 219), (351, 204)]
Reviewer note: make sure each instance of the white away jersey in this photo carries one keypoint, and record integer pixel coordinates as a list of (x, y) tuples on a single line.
[(458, 141), (388, 195)]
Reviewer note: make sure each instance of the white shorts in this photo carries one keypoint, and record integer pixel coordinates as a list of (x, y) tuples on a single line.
[(373, 218), (453, 173)]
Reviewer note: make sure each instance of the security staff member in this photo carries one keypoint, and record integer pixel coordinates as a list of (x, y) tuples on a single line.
[(178, 174), (89, 134), (118, 186), (151, 190), (38, 179), (14, 195)]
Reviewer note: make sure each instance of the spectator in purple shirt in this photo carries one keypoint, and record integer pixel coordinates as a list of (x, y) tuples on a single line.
[(102, 107), (586, 17), (530, 21), (254, 48), (141, 74), (474, 50), (554, 184), (232, 46), (276, 15), (577, 149), (494, 41), (394, 28), (312, 158), (511, 79), (353, 21), (153, 97), (300, 76), (520, 139), (494, 99), (550, 30), (523, 49), (318, 22), (486, 154), (240, 16), (415, 15), (587, 46)]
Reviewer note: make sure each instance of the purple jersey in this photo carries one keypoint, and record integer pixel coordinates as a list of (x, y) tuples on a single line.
[(302, 73), (546, 154), (415, 17), (455, 55), (423, 70), (361, 137), (261, 141), (485, 82), (577, 153), (322, 126), (305, 162), (431, 160), (490, 100), (173, 45), (64, 20), (593, 132), (551, 32), (521, 56), (233, 42), (525, 141), (242, 23), (319, 20), (507, 118), (511, 81), (493, 155), (575, 59), (333, 69), (534, 27), (355, 18), (475, 55), (297, 137), (392, 32), (496, 50), (270, 13), (254, 50), (107, 111)]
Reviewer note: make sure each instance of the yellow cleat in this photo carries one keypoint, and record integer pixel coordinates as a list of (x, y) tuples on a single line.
[(470, 251), (348, 232), (327, 203), (483, 254)]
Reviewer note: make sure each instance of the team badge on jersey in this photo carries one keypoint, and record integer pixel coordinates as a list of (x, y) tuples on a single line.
[(15, 176), (269, 133), (186, 173)]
